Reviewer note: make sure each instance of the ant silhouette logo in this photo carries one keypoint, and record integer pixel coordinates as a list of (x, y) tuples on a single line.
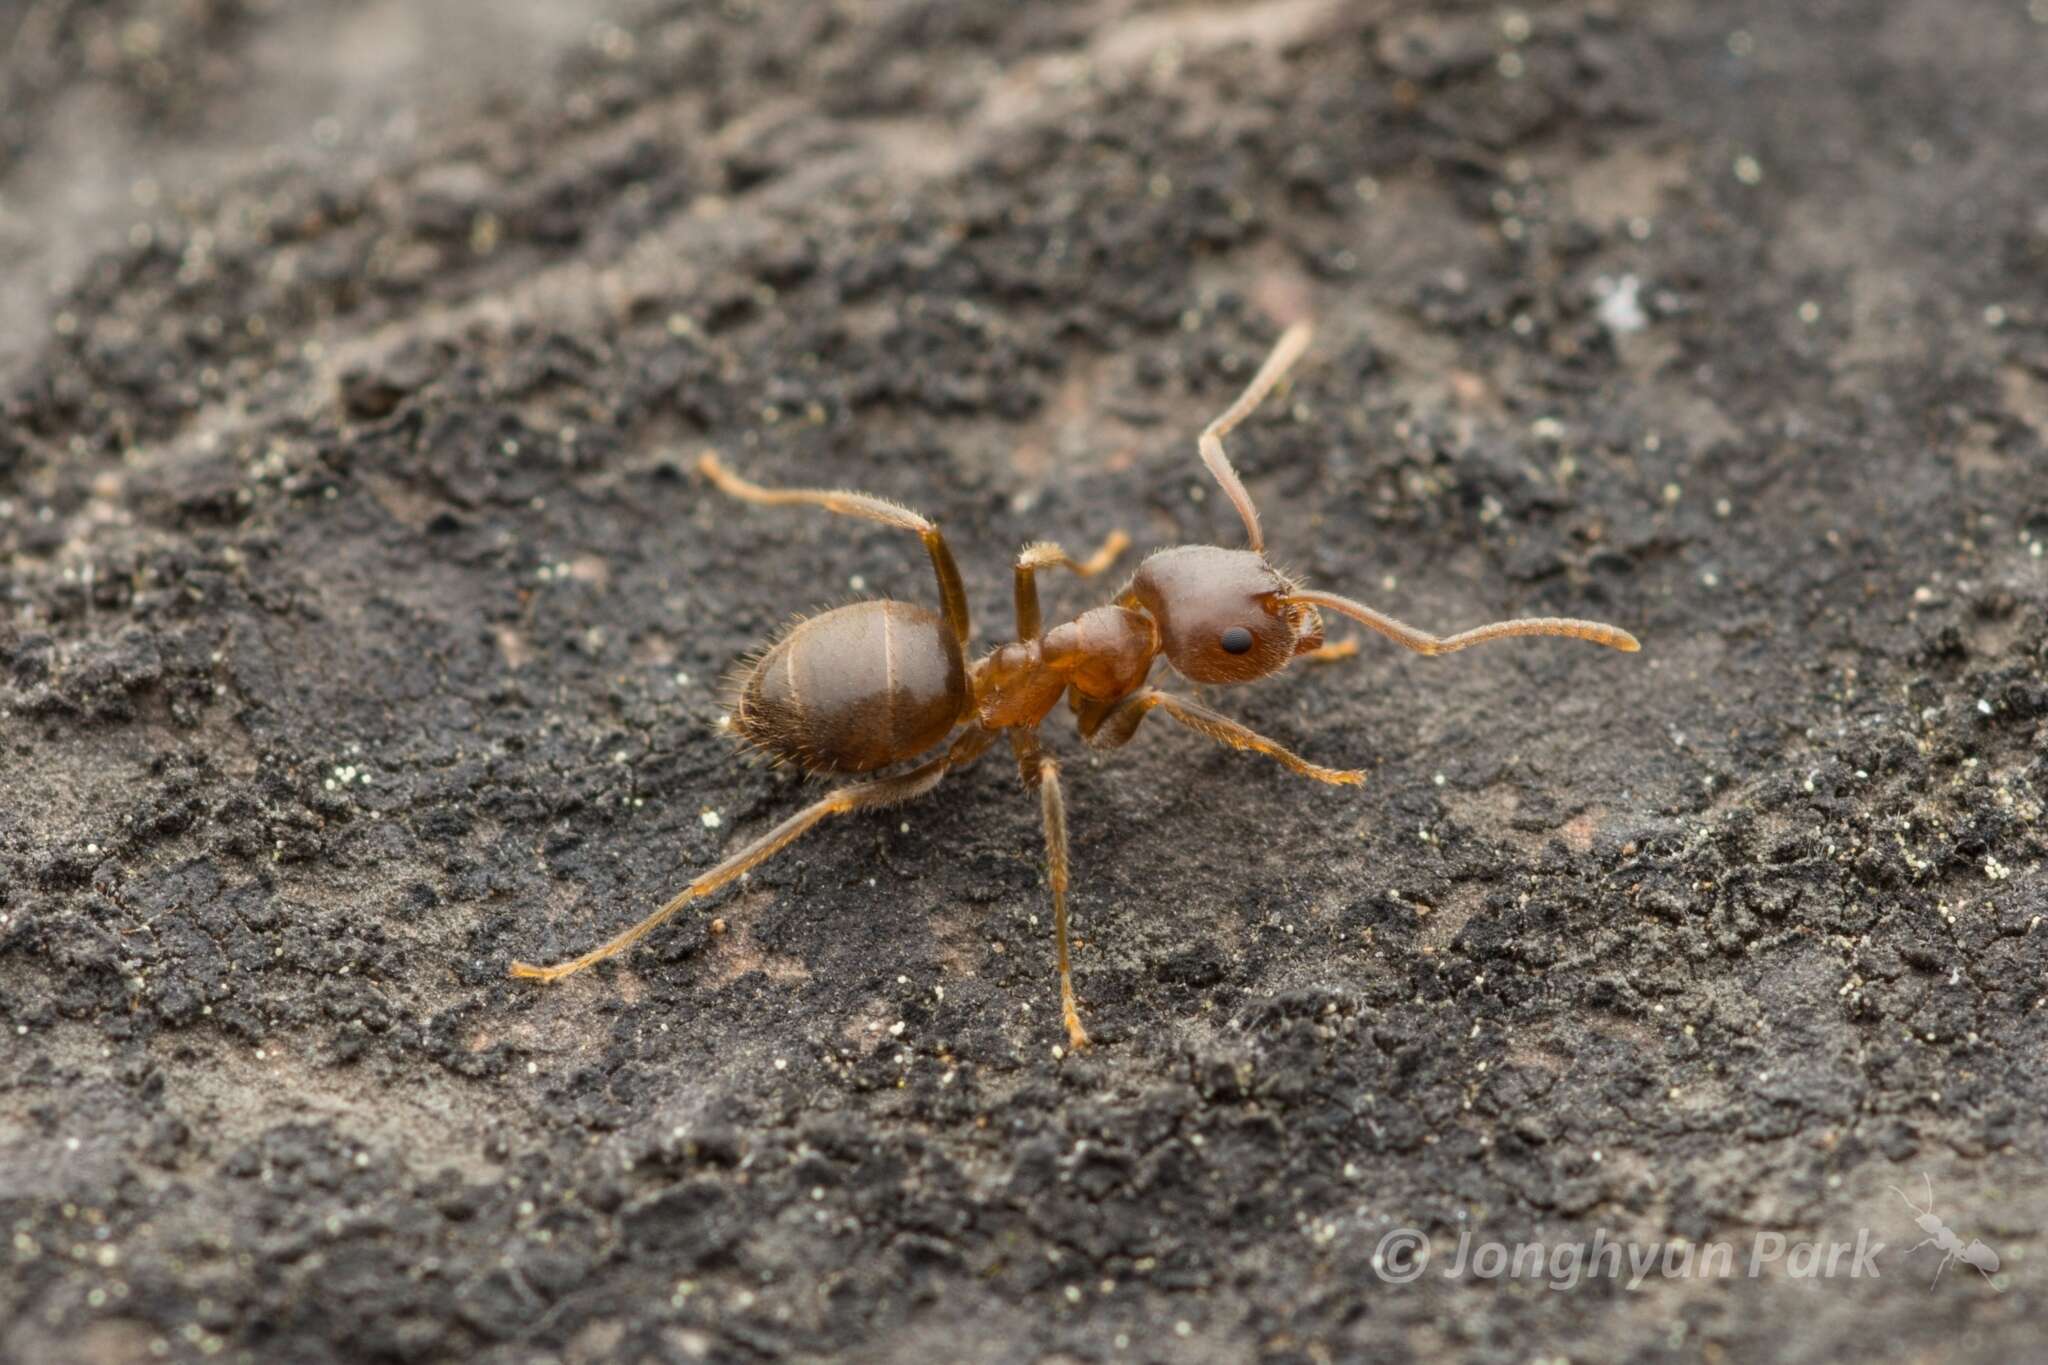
[(1943, 1238)]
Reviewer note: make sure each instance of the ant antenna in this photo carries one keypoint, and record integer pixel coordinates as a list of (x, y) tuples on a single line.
[(1286, 351), (1903, 1199), (1422, 642)]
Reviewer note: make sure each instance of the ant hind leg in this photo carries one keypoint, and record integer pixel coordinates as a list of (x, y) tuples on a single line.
[(952, 594), (887, 791)]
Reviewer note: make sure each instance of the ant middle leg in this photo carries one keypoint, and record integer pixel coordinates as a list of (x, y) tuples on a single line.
[(1111, 726), (886, 791), (1043, 554), (952, 595), (1042, 770)]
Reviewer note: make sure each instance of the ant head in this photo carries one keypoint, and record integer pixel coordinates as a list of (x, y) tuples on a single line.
[(1220, 613), (1228, 616)]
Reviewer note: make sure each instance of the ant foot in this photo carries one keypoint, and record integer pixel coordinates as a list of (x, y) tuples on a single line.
[(1330, 653), (526, 971)]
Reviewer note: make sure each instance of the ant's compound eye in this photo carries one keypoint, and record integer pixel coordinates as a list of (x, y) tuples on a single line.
[(1236, 640)]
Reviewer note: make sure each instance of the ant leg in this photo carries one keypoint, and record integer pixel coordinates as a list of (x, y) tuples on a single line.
[(952, 596), (1055, 813), (1422, 642), (1111, 727), (1285, 352), (1042, 771), (1043, 554), (887, 791), (1329, 654)]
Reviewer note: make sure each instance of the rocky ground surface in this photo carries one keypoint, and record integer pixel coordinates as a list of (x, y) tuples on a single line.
[(362, 624)]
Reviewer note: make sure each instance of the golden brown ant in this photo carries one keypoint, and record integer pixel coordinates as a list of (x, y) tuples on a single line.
[(875, 683)]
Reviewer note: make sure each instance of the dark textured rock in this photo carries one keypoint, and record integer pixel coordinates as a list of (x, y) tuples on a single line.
[(361, 629)]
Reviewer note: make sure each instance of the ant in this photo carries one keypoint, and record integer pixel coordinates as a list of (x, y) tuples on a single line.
[(1944, 1238), (874, 683)]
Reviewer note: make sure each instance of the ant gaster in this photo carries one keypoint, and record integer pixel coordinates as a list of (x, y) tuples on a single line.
[(875, 683)]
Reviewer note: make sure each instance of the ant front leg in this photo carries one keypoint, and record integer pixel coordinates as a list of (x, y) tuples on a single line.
[(1111, 726), (1041, 770), (1043, 554)]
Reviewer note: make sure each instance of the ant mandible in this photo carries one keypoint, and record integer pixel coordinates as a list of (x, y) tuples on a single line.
[(864, 686)]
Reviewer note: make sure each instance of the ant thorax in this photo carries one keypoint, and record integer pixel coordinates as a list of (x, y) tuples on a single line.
[(1103, 654)]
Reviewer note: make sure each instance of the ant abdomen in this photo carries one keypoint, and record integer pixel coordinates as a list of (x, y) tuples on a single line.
[(854, 689)]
